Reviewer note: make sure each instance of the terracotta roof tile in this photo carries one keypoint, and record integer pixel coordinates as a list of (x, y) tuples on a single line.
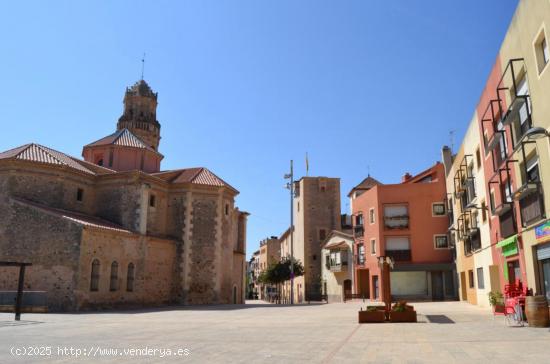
[(123, 137), (200, 176), (41, 154)]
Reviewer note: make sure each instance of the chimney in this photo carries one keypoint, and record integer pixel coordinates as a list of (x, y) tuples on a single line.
[(406, 177), (447, 157)]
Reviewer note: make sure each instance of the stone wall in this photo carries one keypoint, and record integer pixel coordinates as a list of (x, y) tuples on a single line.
[(120, 203), (154, 263), (46, 187), (50, 243), (201, 266)]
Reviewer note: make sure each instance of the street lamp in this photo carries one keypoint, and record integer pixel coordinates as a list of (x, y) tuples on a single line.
[(290, 186), (536, 133)]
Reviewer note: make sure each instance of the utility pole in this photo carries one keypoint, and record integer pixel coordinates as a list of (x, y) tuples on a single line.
[(290, 186)]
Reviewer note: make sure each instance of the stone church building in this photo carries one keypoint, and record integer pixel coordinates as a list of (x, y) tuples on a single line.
[(113, 229)]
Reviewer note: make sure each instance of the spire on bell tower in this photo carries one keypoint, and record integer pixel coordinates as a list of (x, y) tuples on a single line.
[(140, 112)]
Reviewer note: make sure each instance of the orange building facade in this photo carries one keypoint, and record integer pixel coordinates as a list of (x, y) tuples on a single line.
[(407, 222)]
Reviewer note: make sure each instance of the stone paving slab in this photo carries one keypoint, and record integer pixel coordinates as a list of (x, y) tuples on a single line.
[(447, 332)]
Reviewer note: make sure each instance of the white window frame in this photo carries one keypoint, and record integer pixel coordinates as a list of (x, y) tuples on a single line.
[(444, 209), (373, 244), (372, 216), (446, 238)]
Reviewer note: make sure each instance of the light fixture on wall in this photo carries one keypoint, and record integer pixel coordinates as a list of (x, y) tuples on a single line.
[(536, 133)]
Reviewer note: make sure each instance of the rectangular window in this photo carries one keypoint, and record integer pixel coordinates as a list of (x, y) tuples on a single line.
[(360, 254), (398, 248), (396, 216), (541, 50), (152, 200), (478, 158), (471, 278), (441, 242), (373, 246), (483, 211), (438, 209), (79, 194), (371, 216), (480, 282)]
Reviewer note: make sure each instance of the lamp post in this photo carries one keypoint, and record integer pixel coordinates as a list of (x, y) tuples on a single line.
[(290, 186), (536, 133)]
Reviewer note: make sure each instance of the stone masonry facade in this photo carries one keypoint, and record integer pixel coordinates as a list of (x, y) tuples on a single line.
[(98, 237)]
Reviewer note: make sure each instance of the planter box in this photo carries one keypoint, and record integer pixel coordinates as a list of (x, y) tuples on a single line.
[(405, 316), (371, 316), (498, 309)]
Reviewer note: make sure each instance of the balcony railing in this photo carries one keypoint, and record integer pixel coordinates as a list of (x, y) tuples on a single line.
[(507, 226), (358, 231), (531, 203), (360, 259), (399, 255), (396, 222), (338, 267)]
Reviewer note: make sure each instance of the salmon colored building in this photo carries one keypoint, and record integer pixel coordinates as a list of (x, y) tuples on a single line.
[(408, 222)]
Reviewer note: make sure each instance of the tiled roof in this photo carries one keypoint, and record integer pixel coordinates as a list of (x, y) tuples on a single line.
[(365, 184), (41, 154), (200, 176), (79, 218), (123, 137)]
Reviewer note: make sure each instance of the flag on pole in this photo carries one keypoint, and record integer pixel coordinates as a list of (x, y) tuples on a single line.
[(307, 165)]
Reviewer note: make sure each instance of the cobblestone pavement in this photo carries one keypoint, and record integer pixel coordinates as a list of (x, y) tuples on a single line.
[(447, 332)]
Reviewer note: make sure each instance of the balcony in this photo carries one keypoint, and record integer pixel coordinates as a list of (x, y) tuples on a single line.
[(501, 209), (358, 231), (338, 267), (399, 255), (396, 222), (360, 259), (507, 225), (531, 203)]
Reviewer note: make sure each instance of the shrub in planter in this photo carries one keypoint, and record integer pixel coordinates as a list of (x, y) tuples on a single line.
[(372, 314), (496, 300), (401, 312)]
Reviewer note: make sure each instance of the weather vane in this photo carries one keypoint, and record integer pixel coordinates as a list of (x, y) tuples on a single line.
[(142, 65)]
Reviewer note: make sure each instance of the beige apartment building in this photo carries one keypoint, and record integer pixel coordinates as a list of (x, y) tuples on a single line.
[(337, 268), (524, 56), (512, 119), (270, 253), (468, 214)]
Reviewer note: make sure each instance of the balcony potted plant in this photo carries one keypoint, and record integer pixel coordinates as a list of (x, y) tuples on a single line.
[(401, 312), (372, 314), (496, 300)]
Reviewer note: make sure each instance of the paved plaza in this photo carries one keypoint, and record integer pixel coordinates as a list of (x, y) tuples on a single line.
[(447, 332)]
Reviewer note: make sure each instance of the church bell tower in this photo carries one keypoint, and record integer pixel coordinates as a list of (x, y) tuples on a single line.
[(140, 114)]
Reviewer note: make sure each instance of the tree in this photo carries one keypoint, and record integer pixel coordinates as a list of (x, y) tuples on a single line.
[(278, 273)]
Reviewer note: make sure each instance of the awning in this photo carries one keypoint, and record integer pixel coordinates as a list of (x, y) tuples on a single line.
[(511, 240), (509, 246)]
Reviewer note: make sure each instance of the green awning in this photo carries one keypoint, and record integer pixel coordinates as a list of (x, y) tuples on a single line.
[(511, 240)]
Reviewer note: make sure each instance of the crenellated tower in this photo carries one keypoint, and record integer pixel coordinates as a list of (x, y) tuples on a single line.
[(140, 114)]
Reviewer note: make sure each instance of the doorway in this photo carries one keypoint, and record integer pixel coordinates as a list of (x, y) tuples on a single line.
[(437, 286), (463, 291), (376, 288), (347, 289), (235, 295), (363, 283), (514, 271)]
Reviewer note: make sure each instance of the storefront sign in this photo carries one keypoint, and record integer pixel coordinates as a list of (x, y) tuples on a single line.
[(542, 232)]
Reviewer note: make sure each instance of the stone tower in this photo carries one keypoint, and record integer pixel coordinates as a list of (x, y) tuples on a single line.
[(140, 114)]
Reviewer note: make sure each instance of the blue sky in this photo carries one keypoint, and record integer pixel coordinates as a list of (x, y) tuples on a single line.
[(245, 86)]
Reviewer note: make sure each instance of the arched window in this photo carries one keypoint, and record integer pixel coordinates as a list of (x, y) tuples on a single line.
[(130, 278), (94, 281), (114, 276)]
